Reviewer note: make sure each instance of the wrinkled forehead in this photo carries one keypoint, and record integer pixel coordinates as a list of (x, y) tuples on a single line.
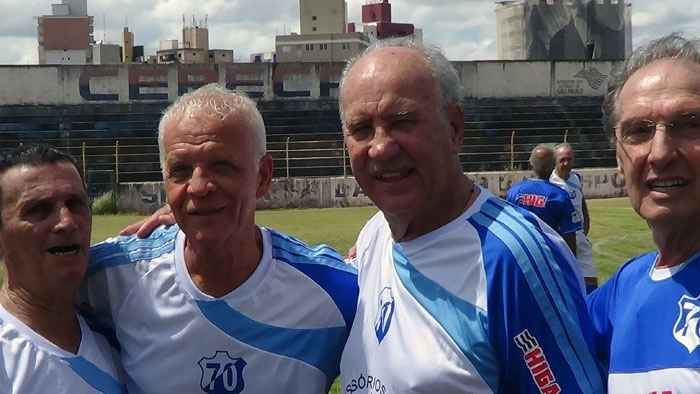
[(388, 75), (660, 89), (564, 153), (27, 182)]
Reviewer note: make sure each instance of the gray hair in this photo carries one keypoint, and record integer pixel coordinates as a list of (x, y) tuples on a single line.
[(543, 166), (214, 102), (564, 145), (672, 46), (446, 77)]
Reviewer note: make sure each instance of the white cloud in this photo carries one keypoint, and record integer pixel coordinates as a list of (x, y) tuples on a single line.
[(466, 29)]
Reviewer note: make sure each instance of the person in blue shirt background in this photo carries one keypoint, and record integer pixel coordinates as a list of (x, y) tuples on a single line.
[(549, 202)]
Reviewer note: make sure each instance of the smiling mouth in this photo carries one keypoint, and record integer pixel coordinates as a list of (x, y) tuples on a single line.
[(667, 185), (206, 212), (393, 176), (68, 250)]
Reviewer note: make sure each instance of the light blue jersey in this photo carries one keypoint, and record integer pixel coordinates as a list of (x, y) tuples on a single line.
[(282, 330), (489, 303), (33, 365), (648, 326)]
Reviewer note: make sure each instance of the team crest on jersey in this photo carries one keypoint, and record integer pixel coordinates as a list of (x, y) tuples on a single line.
[(385, 313), (222, 374), (687, 329)]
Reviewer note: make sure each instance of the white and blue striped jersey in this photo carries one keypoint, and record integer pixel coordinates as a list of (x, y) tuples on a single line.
[(584, 249), (489, 303), (647, 322), (282, 330), (33, 365)]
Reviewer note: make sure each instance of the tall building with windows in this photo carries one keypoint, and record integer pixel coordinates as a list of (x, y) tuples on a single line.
[(377, 23), (563, 29), (325, 35), (322, 16), (194, 49), (66, 36)]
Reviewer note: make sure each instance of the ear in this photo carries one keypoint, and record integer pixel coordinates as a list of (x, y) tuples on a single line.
[(455, 118), (620, 166), (265, 168)]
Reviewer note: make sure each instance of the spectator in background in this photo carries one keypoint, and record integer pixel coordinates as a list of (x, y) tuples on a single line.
[(217, 304), (647, 315), (549, 202), (459, 291), (45, 224), (569, 180)]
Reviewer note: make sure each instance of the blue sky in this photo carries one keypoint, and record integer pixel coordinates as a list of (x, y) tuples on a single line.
[(466, 29)]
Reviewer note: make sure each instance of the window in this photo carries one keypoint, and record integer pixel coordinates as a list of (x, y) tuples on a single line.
[(323, 47), (346, 45), (313, 28), (286, 48), (313, 18), (309, 47)]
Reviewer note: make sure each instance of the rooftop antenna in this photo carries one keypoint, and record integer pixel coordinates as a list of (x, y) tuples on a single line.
[(104, 29)]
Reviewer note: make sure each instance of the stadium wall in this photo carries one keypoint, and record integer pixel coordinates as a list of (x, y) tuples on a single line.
[(141, 83), (344, 191)]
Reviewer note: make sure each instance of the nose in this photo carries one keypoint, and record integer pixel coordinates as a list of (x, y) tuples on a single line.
[(383, 146), (199, 184), (661, 147), (65, 219)]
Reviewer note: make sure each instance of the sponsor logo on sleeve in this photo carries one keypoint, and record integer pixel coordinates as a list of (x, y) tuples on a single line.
[(222, 374), (385, 313), (687, 331), (537, 363)]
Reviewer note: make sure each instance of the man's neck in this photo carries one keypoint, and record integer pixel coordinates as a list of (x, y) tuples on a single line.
[(566, 178), (218, 270), (409, 227), (54, 319)]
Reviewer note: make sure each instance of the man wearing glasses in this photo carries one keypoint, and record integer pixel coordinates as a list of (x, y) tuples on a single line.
[(647, 315)]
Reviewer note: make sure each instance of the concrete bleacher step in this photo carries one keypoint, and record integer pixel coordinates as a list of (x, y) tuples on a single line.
[(306, 135)]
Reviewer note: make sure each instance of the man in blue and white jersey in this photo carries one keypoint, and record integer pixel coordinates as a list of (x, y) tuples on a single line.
[(217, 304), (45, 225), (647, 315), (549, 202), (460, 291), (570, 181)]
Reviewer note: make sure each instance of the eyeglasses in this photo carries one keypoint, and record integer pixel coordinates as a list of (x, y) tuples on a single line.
[(685, 127)]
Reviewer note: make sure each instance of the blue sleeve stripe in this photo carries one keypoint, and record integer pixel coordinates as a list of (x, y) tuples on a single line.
[(571, 184), (319, 347), (325, 267), (535, 246), (95, 377), (546, 285), (319, 254), (456, 316), (125, 250)]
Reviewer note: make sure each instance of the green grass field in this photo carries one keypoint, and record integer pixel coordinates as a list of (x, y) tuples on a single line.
[(617, 233)]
